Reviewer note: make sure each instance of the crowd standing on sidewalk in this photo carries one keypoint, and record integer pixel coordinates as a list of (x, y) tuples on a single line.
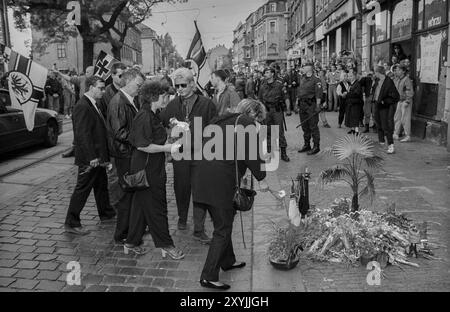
[(120, 140)]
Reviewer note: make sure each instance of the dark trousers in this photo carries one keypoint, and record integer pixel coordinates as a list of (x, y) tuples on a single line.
[(292, 98), (182, 187), (115, 192), (123, 206), (149, 207), (342, 111), (274, 118), (384, 118), (95, 179), (220, 253), (310, 127)]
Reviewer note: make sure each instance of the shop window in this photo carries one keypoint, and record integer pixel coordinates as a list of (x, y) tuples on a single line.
[(432, 13), (381, 29), (402, 20)]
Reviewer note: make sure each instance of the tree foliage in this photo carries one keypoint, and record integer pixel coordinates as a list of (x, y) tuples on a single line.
[(98, 20)]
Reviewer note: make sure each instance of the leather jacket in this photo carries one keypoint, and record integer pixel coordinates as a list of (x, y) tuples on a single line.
[(120, 117)]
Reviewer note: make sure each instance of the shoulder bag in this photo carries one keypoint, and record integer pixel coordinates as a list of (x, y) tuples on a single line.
[(243, 198), (137, 181)]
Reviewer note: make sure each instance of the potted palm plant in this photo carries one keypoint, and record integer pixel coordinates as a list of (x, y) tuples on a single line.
[(357, 159), (284, 249)]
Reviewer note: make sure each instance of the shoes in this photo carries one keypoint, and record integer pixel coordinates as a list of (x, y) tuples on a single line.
[(367, 129), (172, 252), (214, 285), (326, 125), (68, 154), (391, 149), (305, 148), (182, 226), (340, 126), (202, 238), (235, 266), (406, 139), (136, 249), (395, 136), (120, 242), (284, 156), (314, 151), (383, 144), (108, 219), (76, 230), (289, 114)]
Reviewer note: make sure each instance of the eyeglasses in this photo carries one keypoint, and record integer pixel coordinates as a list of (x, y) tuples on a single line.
[(182, 85)]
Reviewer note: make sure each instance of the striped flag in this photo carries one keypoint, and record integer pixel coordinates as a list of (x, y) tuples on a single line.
[(104, 65), (197, 56), (26, 82)]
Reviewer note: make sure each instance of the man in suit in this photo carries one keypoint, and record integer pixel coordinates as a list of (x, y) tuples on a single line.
[(121, 111), (91, 152), (186, 107)]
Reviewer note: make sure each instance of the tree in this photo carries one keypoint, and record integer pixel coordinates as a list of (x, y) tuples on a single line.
[(99, 21), (358, 158), (169, 52)]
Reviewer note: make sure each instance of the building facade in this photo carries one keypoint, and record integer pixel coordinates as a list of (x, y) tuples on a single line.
[(151, 51), (68, 55), (219, 58), (262, 39)]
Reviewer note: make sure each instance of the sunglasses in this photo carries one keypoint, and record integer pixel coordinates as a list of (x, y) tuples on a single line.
[(182, 85)]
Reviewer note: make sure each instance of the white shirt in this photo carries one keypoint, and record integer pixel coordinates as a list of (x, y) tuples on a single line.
[(93, 103), (130, 98)]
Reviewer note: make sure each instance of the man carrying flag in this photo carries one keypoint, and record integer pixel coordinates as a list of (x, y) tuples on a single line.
[(198, 60), (26, 81)]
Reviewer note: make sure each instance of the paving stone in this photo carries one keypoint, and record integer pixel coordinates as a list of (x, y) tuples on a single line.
[(147, 289), (50, 285), (9, 255), (74, 288), (113, 279), (48, 266), (156, 272), (46, 257), (177, 274), (5, 282), (7, 272), (120, 289), (26, 274), (7, 263), (27, 284), (89, 279), (132, 271), (49, 275), (162, 282), (26, 264), (96, 288)]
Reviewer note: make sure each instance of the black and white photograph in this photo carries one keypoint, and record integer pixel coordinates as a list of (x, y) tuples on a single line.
[(225, 152)]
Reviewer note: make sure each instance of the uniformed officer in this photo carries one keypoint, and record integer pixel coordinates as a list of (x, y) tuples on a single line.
[(272, 96), (310, 95)]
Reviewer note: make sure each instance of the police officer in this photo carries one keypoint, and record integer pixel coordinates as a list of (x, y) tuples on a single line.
[(310, 95), (271, 94)]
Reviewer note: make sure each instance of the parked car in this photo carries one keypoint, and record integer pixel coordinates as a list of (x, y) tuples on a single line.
[(48, 125)]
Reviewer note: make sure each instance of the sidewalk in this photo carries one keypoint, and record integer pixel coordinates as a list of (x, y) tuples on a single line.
[(34, 250)]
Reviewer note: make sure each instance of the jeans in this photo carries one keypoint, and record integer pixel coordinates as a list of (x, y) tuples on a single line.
[(403, 118), (368, 110), (332, 98), (384, 118)]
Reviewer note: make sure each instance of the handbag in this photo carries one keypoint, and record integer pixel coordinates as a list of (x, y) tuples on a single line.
[(136, 181), (243, 198)]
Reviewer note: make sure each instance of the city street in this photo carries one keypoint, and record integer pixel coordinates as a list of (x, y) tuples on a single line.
[(35, 250)]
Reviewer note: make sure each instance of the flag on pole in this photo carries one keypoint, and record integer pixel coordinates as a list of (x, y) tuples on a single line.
[(26, 82), (104, 65), (198, 58)]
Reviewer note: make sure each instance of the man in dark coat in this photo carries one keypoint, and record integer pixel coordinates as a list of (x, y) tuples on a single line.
[(121, 111), (91, 153), (184, 108), (386, 97)]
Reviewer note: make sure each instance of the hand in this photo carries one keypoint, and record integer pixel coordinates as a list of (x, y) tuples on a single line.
[(263, 186), (109, 167), (94, 163), (174, 148)]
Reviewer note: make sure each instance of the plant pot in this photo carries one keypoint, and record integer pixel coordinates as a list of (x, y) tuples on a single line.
[(284, 265), (365, 259)]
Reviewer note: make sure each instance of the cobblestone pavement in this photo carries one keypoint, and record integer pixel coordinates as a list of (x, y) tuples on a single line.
[(35, 250)]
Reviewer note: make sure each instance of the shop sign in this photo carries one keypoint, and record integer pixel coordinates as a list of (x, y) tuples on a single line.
[(339, 17), (429, 63), (319, 33), (435, 21)]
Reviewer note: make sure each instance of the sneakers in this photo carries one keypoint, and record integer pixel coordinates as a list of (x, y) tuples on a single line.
[(305, 148), (406, 139), (391, 149)]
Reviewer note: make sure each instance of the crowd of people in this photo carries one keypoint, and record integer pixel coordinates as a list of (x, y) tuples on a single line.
[(121, 129)]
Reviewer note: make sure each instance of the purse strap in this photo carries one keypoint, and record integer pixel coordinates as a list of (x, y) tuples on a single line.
[(235, 151)]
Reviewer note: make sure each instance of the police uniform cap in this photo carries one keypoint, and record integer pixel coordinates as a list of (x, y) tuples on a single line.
[(269, 69)]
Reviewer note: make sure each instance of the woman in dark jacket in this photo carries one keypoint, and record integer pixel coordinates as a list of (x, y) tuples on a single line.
[(213, 187), (386, 97), (354, 103), (149, 207)]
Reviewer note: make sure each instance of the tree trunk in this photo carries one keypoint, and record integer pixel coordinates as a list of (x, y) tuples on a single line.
[(355, 204)]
